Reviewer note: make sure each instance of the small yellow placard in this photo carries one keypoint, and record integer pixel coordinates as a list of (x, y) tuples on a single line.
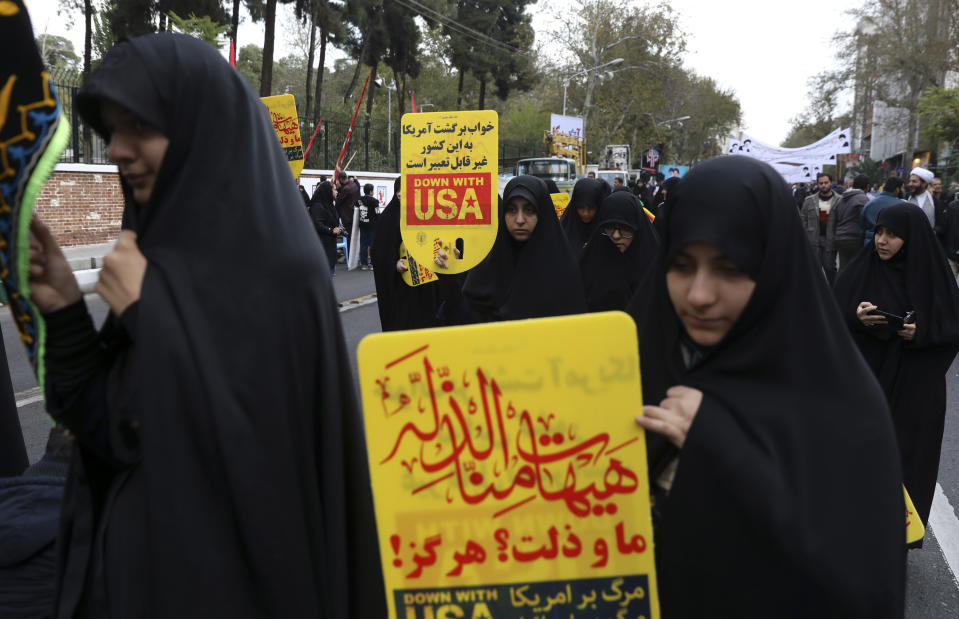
[(560, 202), (416, 274), (914, 529), (283, 114), (510, 480), (449, 164)]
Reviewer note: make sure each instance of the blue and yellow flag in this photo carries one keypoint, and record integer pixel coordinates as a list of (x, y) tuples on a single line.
[(33, 133)]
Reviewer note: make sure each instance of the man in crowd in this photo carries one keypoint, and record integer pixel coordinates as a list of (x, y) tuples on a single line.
[(890, 194), (919, 195), (347, 195), (367, 214), (819, 221), (848, 237)]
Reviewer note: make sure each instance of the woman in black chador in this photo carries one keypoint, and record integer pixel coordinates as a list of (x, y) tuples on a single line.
[(620, 252), (529, 272), (326, 222), (904, 270), (400, 306), (220, 469), (581, 216), (779, 492)]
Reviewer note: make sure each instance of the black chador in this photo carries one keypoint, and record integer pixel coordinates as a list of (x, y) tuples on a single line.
[(586, 192), (912, 373), (786, 499)]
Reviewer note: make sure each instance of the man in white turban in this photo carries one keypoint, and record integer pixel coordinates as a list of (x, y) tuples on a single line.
[(919, 195)]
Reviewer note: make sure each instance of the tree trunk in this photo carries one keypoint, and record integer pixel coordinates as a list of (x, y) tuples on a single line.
[(269, 25), (87, 44), (482, 95), (459, 92), (309, 67), (320, 71), (359, 65), (369, 97)]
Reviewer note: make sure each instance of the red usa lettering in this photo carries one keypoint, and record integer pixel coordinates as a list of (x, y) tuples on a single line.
[(448, 199)]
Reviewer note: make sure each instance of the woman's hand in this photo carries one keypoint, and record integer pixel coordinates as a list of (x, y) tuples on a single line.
[(337, 230), (441, 258), (908, 332), (870, 320), (52, 284), (674, 415), (401, 266), (121, 277)]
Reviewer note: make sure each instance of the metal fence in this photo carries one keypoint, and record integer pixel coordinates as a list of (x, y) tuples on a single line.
[(85, 145)]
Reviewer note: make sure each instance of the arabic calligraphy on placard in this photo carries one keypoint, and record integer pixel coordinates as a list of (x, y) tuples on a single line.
[(491, 463), (449, 187)]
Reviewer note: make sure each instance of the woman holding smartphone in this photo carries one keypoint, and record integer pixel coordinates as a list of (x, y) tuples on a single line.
[(904, 270)]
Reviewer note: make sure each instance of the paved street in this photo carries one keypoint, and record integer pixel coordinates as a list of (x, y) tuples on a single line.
[(932, 589)]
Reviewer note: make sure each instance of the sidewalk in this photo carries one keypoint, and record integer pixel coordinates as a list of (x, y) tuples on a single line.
[(83, 257)]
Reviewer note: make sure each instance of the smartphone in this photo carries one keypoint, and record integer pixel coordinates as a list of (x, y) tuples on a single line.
[(895, 320)]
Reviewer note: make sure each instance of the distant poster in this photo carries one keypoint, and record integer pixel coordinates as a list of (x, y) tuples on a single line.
[(570, 125), (650, 160), (283, 114), (672, 170), (499, 491), (449, 168)]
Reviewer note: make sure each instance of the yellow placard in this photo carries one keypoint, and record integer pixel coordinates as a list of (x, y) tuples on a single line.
[(560, 202), (283, 114), (914, 529), (449, 164), (510, 480), (416, 274)]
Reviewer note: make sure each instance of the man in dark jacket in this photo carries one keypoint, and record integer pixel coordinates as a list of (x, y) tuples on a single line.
[(848, 236), (367, 220), (348, 194), (819, 221), (891, 193)]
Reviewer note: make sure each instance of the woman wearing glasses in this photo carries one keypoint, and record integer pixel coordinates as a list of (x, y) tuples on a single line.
[(619, 254), (783, 471), (529, 272)]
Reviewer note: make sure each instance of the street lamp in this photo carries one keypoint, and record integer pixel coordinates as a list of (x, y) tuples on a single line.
[(611, 63), (390, 89)]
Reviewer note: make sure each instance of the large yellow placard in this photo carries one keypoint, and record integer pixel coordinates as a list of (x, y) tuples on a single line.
[(510, 480), (449, 164), (283, 115)]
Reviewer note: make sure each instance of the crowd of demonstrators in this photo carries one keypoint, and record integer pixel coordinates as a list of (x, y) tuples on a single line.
[(530, 271), (620, 251), (903, 272), (761, 444), (206, 478), (579, 218), (367, 214), (819, 221)]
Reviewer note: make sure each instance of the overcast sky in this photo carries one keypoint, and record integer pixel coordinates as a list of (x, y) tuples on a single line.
[(762, 50)]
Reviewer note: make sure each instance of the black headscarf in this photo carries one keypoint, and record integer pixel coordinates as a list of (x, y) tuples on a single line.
[(249, 492), (787, 479), (586, 192), (662, 194), (610, 278), (529, 279), (325, 218), (400, 306), (912, 374)]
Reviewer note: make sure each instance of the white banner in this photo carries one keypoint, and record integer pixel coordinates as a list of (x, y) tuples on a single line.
[(569, 125)]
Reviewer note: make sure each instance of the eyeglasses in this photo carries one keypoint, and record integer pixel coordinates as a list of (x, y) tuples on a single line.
[(624, 231)]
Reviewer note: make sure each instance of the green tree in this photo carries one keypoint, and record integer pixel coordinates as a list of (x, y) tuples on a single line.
[(203, 28), (939, 112), (58, 53)]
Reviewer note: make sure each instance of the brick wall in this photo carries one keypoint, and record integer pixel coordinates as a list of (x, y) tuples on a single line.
[(82, 208)]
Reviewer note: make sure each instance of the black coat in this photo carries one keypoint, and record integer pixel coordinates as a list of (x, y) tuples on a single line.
[(221, 468)]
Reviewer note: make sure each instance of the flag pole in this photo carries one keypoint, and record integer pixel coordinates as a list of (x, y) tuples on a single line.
[(307, 152), (346, 142)]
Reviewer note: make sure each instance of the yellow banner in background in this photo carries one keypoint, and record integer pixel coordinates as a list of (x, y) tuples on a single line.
[(449, 162), (283, 115), (560, 202), (508, 481)]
